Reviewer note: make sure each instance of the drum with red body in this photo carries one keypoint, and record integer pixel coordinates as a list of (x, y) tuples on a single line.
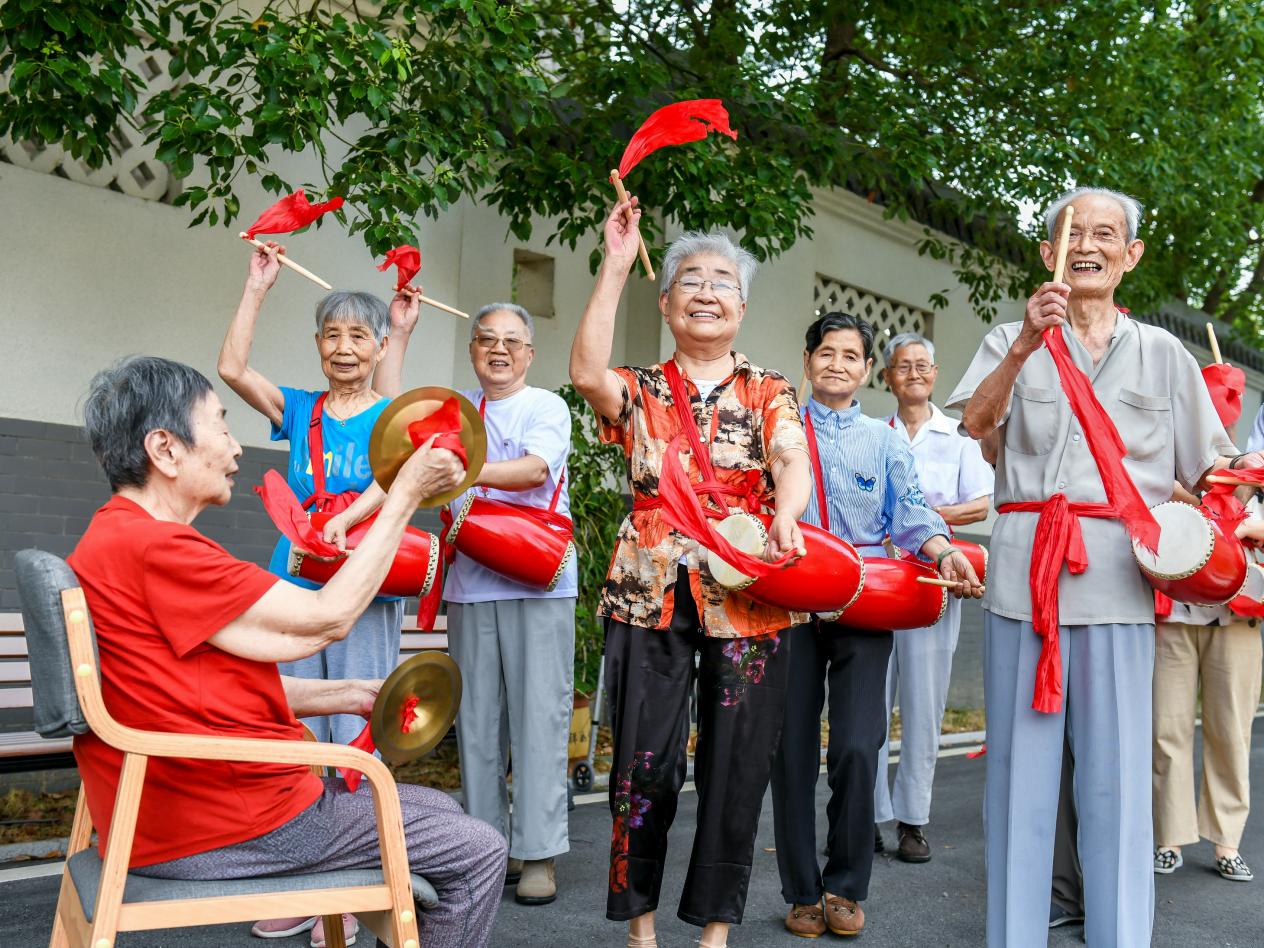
[(1250, 601), (976, 554), (1196, 562), (892, 598), (824, 581), (413, 572), (510, 541)]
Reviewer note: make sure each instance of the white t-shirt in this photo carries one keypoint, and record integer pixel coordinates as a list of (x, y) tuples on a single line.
[(950, 466), (533, 421)]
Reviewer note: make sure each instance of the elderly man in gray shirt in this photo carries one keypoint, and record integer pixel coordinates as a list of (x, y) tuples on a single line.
[(1013, 401)]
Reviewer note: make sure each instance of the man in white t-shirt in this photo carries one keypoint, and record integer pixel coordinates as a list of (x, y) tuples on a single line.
[(515, 644), (957, 482)]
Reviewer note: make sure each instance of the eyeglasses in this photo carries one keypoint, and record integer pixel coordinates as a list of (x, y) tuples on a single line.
[(908, 368), (487, 340), (691, 286)]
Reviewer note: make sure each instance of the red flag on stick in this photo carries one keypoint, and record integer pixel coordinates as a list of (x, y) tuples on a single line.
[(407, 263), (290, 214), (676, 124), (1225, 384)]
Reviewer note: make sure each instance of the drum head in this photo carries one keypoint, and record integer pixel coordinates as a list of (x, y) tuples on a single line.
[(1185, 542), (1253, 588), (746, 533)]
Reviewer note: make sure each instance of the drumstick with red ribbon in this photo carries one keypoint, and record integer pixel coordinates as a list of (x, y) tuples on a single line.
[(286, 216), (675, 124), (407, 262)]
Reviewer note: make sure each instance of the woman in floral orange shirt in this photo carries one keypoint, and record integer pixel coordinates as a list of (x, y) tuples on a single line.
[(661, 604)]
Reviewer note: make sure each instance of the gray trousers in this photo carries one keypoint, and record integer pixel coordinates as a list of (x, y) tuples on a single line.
[(920, 670), (463, 858), (1106, 672), (517, 660), (370, 650)]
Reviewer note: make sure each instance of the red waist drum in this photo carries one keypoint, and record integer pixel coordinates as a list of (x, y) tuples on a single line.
[(1250, 601), (892, 598), (823, 581), (511, 542), (976, 554), (413, 571), (1195, 563)]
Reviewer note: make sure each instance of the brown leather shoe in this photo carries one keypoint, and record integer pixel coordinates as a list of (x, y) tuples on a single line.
[(843, 916), (806, 921), (913, 845)]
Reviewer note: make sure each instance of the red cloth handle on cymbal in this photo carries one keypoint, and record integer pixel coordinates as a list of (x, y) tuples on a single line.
[(446, 423)]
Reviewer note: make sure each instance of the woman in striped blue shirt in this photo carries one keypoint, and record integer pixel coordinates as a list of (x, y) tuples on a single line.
[(869, 487)]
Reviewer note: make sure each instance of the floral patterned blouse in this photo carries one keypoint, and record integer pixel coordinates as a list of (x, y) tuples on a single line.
[(747, 421)]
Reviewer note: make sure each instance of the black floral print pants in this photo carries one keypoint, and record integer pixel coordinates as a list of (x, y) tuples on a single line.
[(741, 699)]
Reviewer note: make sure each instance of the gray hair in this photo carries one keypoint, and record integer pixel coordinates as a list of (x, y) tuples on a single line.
[(695, 242), (514, 308), (906, 339), (1130, 205), (130, 399), (350, 306)]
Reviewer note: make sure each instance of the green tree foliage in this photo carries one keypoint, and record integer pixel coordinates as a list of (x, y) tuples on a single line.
[(594, 472), (956, 110)]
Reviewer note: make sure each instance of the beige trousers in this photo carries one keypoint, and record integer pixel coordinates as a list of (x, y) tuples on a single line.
[(1224, 664)]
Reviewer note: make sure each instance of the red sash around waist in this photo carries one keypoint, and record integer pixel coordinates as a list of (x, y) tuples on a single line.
[(1058, 540)]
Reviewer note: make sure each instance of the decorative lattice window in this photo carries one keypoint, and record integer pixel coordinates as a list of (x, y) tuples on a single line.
[(134, 170), (887, 316)]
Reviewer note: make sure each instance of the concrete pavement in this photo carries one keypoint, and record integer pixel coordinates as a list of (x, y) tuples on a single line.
[(940, 903)]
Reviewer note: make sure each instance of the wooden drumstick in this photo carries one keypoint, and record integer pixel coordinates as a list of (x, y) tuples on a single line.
[(443, 306), (623, 196), (1215, 345), (283, 259), (1059, 267), (1232, 481), (937, 581)]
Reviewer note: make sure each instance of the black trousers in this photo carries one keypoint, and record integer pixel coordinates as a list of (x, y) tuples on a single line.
[(854, 662), (741, 697), (1068, 880)]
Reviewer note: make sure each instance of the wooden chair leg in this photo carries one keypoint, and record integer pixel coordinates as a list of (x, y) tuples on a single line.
[(105, 918), (58, 939), (334, 937)]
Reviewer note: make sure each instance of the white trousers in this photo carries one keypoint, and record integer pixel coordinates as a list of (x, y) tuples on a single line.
[(919, 673), (517, 659), (1106, 711)]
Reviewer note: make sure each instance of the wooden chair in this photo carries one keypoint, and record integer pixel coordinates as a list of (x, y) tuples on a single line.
[(99, 897)]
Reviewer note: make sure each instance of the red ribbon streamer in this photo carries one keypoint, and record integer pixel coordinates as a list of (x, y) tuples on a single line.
[(363, 741), (290, 214), (1058, 540), (1225, 384), (676, 124), (407, 262), (1105, 445), (290, 518)]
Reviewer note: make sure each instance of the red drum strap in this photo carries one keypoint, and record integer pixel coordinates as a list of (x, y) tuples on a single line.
[(1058, 540), (817, 473), (324, 501)]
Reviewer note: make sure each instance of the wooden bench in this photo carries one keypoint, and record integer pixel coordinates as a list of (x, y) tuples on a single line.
[(26, 750)]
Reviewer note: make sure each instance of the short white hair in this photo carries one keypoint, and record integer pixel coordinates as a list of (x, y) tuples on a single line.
[(695, 242), (513, 308), (1131, 208), (906, 339)]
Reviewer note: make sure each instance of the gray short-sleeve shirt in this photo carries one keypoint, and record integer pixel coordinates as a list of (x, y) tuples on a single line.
[(1152, 389)]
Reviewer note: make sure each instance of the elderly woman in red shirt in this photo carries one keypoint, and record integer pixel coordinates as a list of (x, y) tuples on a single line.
[(189, 638)]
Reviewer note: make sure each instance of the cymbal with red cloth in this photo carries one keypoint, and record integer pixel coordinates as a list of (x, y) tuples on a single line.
[(390, 443)]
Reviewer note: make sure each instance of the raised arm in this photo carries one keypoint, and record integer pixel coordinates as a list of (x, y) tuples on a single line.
[(388, 378), (234, 356), (985, 410), (289, 622), (594, 340)]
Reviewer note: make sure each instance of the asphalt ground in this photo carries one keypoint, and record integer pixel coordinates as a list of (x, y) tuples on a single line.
[(939, 903)]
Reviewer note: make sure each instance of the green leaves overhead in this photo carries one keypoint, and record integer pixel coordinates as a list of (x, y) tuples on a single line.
[(964, 113)]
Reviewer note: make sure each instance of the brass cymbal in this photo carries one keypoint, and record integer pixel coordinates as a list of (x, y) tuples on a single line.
[(434, 679), (390, 446)]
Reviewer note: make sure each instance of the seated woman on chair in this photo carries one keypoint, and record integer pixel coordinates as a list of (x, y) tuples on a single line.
[(189, 638)]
